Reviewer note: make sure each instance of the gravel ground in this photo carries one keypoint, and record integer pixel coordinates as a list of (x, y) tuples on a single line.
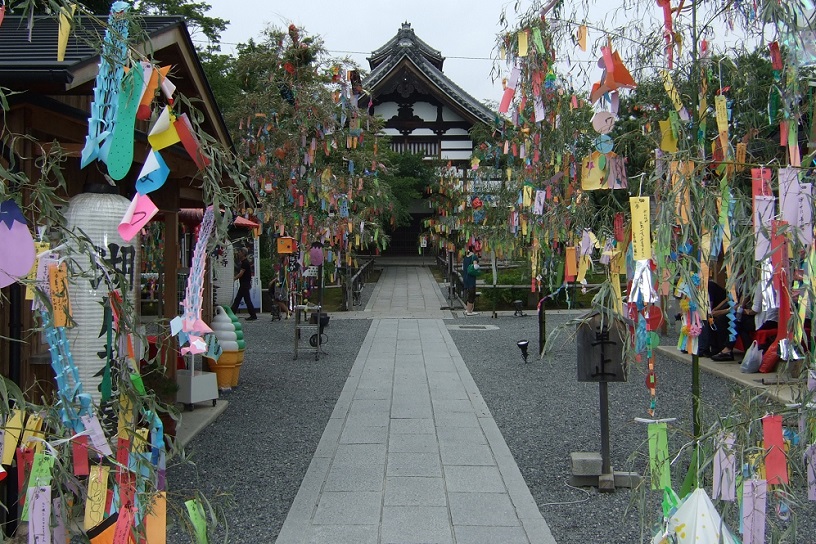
[(544, 414), (252, 459)]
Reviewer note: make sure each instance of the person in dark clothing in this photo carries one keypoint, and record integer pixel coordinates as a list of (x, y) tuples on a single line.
[(715, 331), (469, 281), (244, 277)]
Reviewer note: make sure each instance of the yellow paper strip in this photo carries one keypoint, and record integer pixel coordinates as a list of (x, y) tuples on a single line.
[(522, 43), (33, 428), (13, 431), (582, 37), (65, 18), (97, 493), (641, 237), (674, 96), (60, 303)]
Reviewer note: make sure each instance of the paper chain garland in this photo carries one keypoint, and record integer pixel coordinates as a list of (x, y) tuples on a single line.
[(108, 82), (66, 374), (192, 325)]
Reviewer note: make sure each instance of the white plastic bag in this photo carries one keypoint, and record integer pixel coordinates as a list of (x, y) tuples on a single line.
[(752, 360)]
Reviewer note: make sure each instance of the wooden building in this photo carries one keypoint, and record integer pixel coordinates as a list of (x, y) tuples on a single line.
[(424, 112), (51, 102)]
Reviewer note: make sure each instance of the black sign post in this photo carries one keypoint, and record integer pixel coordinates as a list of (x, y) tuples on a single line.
[(600, 359)]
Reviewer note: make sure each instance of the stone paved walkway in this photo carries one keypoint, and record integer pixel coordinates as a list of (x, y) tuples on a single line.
[(411, 453)]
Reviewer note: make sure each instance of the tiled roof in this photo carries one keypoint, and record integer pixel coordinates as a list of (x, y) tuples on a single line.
[(22, 58), (405, 45)]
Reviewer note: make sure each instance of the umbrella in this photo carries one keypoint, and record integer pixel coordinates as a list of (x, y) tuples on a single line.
[(696, 520)]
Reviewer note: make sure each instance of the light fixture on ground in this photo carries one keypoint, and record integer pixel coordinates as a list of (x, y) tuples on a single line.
[(522, 345)]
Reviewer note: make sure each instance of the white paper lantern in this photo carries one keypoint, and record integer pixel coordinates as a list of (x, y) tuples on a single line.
[(98, 216)]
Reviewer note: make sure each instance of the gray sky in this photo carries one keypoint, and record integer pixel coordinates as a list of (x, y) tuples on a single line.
[(463, 30), (457, 28)]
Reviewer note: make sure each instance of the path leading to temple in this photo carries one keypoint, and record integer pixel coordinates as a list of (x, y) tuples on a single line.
[(411, 453)]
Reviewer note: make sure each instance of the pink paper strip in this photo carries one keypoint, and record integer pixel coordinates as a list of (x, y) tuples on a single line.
[(763, 215), (776, 464), (504, 105), (138, 214), (754, 501), (725, 483)]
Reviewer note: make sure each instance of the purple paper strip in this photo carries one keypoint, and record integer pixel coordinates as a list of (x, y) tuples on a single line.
[(805, 216), (763, 215), (60, 533), (810, 456), (39, 515), (789, 195), (754, 502), (724, 469)]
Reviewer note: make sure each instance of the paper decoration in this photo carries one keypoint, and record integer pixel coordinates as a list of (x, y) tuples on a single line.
[(60, 302), (18, 253), (12, 431), (138, 214), (149, 91), (754, 505), (39, 248), (570, 264), (674, 95), (615, 75), (156, 520), (39, 477), (97, 435), (641, 229), (696, 521), (2, 13), (659, 461), (592, 173), (776, 466), (163, 134), (197, 519), (192, 322), (65, 18), (108, 82), (725, 476), (117, 152), (581, 37), (522, 43), (184, 128), (763, 215), (97, 492), (153, 174), (38, 507)]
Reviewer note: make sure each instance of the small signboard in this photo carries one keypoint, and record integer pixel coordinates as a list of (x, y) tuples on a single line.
[(600, 349), (310, 272)]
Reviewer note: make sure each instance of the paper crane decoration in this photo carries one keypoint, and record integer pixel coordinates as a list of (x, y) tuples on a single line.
[(615, 76)]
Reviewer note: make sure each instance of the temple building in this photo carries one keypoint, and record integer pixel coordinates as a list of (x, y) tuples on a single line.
[(424, 112)]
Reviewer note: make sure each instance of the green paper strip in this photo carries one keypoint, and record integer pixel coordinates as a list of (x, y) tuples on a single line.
[(196, 512), (539, 43), (690, 481), (659, 456)]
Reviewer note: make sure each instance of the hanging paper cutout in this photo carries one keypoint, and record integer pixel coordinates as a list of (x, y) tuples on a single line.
[(97, 492), (659, 461), (117, 151), (60, 302), (776, 466), (108, 82), (696, 521), (19, 253), (615, 75), (197, 519), (153, 174), (65, 19), (149, 92), (754, 506), (581, 36), (641, 228), (194, 293), (184, 128), (138, 214), (763, 215), (163, 134)]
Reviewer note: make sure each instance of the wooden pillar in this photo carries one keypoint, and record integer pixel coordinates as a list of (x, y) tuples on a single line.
[(170, 290)]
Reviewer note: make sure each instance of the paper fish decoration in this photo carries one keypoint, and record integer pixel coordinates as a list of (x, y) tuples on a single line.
[(18, 253)]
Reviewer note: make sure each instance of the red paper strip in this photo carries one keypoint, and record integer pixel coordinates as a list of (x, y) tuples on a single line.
[(504, 105), (124, 524), (776, 468), (188, 139), (79, 454), (781, 263), (761, 182), (25, 460), (776, 56)]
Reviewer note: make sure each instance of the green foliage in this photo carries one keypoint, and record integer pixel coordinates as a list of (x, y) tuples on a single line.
[(408, 176)]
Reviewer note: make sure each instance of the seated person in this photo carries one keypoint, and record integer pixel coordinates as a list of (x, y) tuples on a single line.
[(279, 298)]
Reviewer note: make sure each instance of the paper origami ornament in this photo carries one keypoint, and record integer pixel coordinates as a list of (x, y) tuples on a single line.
[(696, 520), (615, 76), (18, 253)]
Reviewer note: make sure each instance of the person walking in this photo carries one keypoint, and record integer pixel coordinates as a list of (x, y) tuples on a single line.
[(244, 277), (469, 281)]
